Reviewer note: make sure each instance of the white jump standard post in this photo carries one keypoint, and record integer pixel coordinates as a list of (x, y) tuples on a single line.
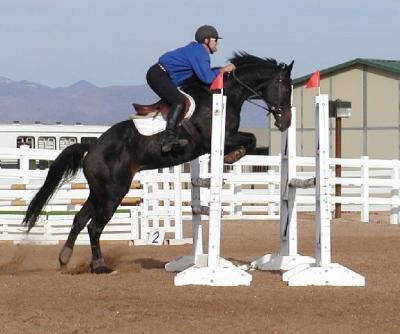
[(211, 269), (323, 272), (287, 258), (198, 257)]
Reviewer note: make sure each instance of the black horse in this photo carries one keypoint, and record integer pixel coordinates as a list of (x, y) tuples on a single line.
[(110, 163)]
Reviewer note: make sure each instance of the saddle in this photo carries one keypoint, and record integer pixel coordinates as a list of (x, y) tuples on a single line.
[(161, 107), (151, 119)]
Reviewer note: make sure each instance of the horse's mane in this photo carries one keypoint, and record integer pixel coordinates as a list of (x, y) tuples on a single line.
[(242, 58)]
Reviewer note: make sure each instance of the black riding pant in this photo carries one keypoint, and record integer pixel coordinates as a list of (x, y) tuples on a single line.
[(162, 85)]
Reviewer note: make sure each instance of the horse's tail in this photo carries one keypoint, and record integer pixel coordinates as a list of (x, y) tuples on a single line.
[(61, 170)]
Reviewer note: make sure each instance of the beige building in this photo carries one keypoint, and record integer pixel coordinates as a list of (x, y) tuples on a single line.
[(373, 88)]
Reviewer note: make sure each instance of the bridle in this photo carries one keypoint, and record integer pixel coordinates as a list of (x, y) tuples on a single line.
[(275, 110)]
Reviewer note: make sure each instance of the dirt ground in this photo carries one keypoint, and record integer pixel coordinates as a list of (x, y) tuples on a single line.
[(141, 298)]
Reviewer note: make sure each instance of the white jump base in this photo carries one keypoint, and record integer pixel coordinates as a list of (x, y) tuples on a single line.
[(225, 274), (333, 274)]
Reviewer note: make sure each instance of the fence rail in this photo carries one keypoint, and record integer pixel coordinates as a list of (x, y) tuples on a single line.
[(250, 191)]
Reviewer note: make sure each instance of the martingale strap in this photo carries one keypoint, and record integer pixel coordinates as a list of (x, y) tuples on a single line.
[(191, 130)]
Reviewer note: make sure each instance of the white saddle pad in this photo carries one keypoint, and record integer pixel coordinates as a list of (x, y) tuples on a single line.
[(154, 123)]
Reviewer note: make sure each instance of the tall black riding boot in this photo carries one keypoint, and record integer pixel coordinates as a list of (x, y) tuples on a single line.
[(169, 139)]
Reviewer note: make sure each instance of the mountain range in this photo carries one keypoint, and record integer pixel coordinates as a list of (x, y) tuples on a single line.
[(83, 102)]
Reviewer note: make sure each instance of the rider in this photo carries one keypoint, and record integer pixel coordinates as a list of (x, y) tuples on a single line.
[(173, 68)]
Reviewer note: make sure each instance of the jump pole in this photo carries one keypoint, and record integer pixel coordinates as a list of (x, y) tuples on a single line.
[(210, 269), (323, 272), (197, 257), (288, 256)]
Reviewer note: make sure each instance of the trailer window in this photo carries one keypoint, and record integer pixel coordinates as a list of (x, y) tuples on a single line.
[(67, 141), (47, 143), (26, 140)]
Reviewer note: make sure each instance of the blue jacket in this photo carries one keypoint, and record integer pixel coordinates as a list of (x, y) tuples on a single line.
[(186, 61)]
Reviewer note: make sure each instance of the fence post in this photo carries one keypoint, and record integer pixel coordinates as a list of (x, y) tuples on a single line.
[(204, 162), (365, 189), (24, 163), (178, 202), (144, 221), (271, 191), (166, 186), (394, 211), (134, 223), (47, 229), (235, 189), (232, 185)]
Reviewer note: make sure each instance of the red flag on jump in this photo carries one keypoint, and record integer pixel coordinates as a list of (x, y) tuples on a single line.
[(314, 80), (218, 82)]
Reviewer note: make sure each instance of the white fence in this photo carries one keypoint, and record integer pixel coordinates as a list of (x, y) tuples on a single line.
[(250, 191), (251, 187)]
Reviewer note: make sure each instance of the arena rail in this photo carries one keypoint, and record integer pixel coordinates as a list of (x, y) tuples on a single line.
[(251, 191), (55, 223)]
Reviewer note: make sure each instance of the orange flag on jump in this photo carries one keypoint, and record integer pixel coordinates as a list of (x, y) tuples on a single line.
[(218, 82), (314, 80)]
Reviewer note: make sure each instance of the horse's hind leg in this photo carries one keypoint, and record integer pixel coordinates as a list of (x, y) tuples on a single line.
[(103, 215), (109, 173), (80, 221)]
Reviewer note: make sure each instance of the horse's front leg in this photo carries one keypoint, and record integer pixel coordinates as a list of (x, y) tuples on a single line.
[(251, 141), (237, 145)]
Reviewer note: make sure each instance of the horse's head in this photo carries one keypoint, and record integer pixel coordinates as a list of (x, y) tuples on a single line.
[(267, 80), (277, 95)]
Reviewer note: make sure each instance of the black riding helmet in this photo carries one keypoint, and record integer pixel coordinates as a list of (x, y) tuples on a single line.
[(206, 31)]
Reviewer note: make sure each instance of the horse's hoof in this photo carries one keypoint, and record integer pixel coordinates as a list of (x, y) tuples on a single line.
[(99, 267), (234, 156), (63, 269), (103, 270), (65, 256)]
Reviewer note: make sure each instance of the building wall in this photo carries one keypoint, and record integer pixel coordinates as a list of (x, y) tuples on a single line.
[(383, 99), (383, 144), (348, 86)]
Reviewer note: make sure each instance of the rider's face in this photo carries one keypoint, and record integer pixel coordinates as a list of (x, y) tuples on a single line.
[(213, 44)]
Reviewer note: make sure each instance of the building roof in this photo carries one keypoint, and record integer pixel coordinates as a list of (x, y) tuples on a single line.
[(392, 66)]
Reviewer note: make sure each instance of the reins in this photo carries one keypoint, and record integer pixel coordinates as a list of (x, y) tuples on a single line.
[(240, 82), (271, 109)]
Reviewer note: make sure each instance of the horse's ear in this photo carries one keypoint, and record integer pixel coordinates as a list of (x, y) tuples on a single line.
[(291, 65)]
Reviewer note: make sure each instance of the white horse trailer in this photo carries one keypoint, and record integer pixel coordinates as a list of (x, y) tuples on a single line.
[(45, 136)]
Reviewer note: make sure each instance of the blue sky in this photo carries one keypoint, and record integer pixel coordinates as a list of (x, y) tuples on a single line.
[(57, 43)]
